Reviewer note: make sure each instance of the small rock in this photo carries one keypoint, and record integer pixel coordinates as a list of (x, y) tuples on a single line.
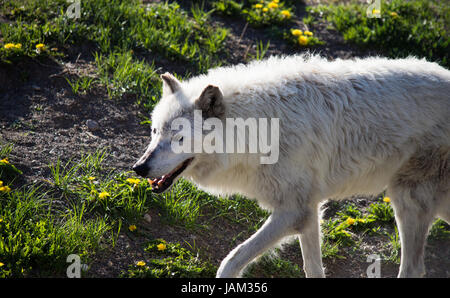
[(92, 125), (148, 218)]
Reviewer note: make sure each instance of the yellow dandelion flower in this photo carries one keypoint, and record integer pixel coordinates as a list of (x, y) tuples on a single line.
[(18, 45), (132, 228), (103, 195), (308, 33), (258, 5), (375, 11), (272, 5), (4, 160), (1, 219), (265, 9), (140, 263), (9, 46), (5, 189), (1, 182), (386, 199), (1, 264), (297, 32), (303, 40), (161, 246), (276, 1), (350, 221), (133, 180), (361, 220), (40, 47), (394, 14), (286, 14), (90, 178)]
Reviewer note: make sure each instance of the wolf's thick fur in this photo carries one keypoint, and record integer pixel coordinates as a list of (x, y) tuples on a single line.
[(346, 127)]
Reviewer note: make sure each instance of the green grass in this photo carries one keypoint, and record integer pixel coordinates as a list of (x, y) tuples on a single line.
[(271, 265), (80, 85), (170, 260), (5, 150), (69, 214), (42, 225), (350, 224), (261, 51), (181, 205), (277, 19), (121, 73), (258, 13), (440, 230), (7, 170), (121, 35), (405, 28), (36, 239), (117, 24), (106, 194), (393, 247), (382, 211)]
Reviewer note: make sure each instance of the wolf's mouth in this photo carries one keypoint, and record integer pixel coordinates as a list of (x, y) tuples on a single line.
[(162, 183)]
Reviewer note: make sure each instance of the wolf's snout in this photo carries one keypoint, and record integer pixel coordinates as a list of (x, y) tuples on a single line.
[(141, 169)]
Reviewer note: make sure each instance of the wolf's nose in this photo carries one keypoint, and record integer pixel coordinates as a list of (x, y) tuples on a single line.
[(141, 169)]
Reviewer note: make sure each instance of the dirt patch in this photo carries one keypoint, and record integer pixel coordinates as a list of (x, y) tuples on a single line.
[(46, 121)]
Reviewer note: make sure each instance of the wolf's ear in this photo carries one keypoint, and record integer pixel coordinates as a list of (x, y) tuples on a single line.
[(210, 102), (170, 84)]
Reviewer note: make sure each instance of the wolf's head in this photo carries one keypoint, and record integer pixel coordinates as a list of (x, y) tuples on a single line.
[(161, 163)]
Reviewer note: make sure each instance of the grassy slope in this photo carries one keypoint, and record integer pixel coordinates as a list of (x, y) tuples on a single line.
[(84, 207)]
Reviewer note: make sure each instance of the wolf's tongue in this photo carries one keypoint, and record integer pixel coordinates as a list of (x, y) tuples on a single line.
[(153, 181)]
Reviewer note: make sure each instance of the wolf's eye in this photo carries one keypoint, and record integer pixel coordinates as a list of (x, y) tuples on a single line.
[(154, 131)]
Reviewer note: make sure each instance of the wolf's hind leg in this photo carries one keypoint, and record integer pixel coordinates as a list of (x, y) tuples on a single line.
[(445, 214), (310, 245), (419, 193), (413, 217), (443, 197)]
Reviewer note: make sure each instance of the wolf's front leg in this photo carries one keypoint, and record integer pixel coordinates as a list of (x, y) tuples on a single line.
[(277, 226)]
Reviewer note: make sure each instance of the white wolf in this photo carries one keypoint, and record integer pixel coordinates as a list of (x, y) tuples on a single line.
[(346, 127)]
